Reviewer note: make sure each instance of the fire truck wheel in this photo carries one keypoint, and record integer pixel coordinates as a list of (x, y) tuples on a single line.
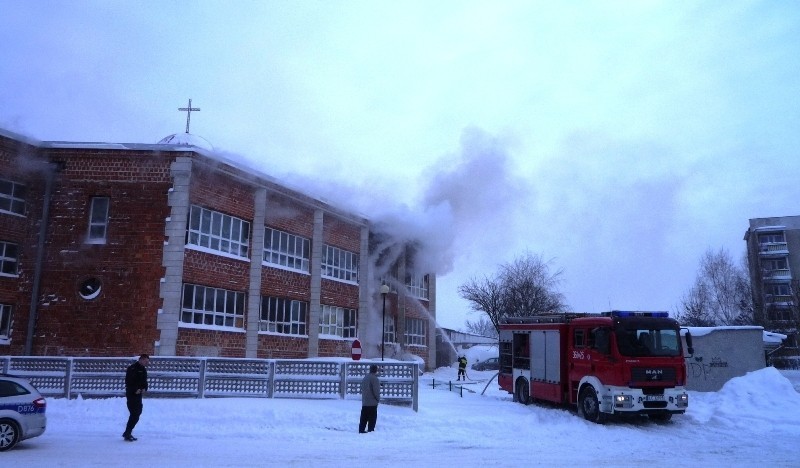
[(590, 405), (523, 395)]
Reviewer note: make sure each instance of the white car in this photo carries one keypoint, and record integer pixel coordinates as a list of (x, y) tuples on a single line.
[(22, 410)]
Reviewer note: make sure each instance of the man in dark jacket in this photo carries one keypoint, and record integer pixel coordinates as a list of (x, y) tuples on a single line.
[(370, 397), (135, 386)]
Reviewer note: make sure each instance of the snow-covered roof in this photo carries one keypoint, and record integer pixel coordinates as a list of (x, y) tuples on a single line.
[(186, 139)]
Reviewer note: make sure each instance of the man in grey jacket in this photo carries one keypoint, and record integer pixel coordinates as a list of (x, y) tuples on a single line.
[(370, 397)]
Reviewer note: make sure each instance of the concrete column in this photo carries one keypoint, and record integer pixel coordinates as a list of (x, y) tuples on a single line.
[(256, 257), (315, 303), (174, 251)]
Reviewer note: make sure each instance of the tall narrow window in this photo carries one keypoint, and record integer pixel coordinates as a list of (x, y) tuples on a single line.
[(9, 259), (5, 321), (12, 197), (98, 220)]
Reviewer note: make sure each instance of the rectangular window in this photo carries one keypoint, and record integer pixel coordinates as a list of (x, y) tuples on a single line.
[(5, 321), (578, 338), (214, 307), (770, 264), (777, 289), (770, 238), (12, 197), (338, 321), (339, 264), (389, 331), (9, 259), (780, 314), (285, 316), (217, 231), (417, 285), (287, 250), (416, 332), (98, 220)]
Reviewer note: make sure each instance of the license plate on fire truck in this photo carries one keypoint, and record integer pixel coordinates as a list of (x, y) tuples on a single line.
[(654, 398)]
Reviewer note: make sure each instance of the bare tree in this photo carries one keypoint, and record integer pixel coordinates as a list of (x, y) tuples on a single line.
[(721, 294), (521, 288), (484, 295), (529, 288), (483, 327)]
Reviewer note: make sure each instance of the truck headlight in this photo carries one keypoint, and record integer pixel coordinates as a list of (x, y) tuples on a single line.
[(623, 401), (682, 400)]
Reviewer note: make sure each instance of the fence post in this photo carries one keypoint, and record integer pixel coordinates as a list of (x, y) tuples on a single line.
[(68, 379), (201, 381), (343, 370), (415, 389), (271, 380)]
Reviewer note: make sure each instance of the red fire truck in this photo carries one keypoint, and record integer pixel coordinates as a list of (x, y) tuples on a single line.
[(607, 364)]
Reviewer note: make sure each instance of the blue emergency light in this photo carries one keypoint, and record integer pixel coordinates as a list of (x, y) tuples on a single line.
[(631, 313)]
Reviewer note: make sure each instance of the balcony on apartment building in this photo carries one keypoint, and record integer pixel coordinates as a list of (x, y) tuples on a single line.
[(778, 299), (773, 248), (777, 274)]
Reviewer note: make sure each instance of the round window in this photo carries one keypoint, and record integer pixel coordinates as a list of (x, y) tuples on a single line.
[(90, 288)]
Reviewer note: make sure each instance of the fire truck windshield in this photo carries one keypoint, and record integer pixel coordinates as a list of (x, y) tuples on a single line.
[(640, 342)]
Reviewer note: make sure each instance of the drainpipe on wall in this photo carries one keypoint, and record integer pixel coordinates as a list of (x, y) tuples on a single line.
[(50, 170)]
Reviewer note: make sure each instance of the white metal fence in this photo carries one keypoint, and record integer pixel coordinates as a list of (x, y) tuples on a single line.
[(203, 377)]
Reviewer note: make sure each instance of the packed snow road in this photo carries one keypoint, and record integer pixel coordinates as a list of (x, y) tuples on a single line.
[(753, 421)]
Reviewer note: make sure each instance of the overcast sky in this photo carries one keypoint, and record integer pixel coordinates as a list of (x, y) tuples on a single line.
[(619, 139)]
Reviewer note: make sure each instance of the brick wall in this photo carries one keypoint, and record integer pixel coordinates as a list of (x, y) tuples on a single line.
[(121, 320), (21, 164)]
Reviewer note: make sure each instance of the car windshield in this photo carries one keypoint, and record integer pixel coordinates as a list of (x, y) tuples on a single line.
[(638, 342)]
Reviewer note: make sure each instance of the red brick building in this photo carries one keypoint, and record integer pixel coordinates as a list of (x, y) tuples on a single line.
[(117, 249)]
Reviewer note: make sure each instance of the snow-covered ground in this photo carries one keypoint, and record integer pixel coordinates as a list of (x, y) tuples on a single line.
[(753, 421)]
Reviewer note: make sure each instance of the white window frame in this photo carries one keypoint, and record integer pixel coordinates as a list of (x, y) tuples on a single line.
[(5, 322), (218, 232), (338, 321), (339, 264), (389, 331), (417, 286), (287, 250), (98, 220), (416, 333), (283, 316), (12, 197), (205, 306), (9, 261)]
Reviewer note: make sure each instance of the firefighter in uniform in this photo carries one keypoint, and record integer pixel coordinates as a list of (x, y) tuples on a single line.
[(462, 368)]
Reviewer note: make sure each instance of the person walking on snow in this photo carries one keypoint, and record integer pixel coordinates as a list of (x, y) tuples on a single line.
[(370, 397), (462, 368), (135, 386)]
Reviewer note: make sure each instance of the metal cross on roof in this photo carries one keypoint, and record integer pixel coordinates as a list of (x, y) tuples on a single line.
[(188, 111)]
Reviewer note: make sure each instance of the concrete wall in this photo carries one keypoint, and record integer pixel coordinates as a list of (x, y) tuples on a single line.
[(722, 353)]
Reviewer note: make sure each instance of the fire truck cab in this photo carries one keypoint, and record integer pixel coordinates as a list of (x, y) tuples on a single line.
[(606, 364)]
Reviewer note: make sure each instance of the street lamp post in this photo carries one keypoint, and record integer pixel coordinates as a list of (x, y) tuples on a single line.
[(384, 291)]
